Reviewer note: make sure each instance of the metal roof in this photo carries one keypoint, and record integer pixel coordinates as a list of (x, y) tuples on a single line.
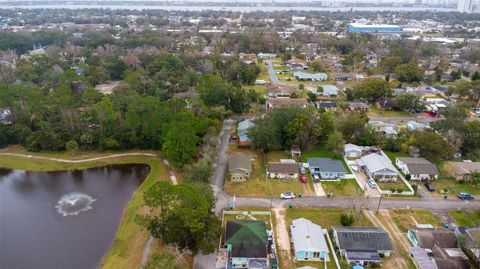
[(307, 236)]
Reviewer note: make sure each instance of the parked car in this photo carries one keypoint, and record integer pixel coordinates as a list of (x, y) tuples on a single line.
[(316, 178), (465, 196), (430, 186), (302, 170), (372, 183), (287, 195), (303, 178)]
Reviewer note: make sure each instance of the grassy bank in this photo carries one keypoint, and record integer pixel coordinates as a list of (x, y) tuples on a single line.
[(127, 246)]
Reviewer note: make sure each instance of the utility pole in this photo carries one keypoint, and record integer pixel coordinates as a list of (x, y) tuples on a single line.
[(379, 202)]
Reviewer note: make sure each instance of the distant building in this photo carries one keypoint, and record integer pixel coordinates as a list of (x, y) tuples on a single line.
[(373, 28), (285, 102), (267, 55), (5, 116), (467, 6), (310, 77)]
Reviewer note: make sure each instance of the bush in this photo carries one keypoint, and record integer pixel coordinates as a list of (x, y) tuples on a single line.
[(408, 176), (347, 219)]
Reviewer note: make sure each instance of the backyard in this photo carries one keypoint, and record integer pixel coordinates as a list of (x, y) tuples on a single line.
[(466, 218), (257, 184)]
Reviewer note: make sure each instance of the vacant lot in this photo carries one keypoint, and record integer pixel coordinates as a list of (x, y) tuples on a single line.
[(405, 219), (342, 188), (463, 219)]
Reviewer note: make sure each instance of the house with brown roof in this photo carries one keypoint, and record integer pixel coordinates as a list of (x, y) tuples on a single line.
[(239, 167), (417, 168), (283, 170), (280, 91), (462, 170), (285, 102), (441, 244)]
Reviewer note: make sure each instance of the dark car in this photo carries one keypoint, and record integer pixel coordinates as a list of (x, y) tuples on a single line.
[(430, 186), (465, 196)]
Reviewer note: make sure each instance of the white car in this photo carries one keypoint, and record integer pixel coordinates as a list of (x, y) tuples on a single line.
[(287, 195), (372, 183)]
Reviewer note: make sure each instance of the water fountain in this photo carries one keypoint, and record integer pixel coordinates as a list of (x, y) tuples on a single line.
[(74, 203)]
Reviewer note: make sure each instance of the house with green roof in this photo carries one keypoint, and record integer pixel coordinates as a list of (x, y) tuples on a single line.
[(246, 243)]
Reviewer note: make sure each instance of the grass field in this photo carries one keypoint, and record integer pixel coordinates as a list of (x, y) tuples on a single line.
[(325, 217), (127, 247), (342, 188), (405, 219), (461, 218), (454, 187)]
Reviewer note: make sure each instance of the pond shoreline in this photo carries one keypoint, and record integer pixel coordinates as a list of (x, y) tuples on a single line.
[(129, 240)]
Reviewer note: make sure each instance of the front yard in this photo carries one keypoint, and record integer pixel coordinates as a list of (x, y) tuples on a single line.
[(453, 187), (405, 219), (257, 184), (342, 188), (465, 219)]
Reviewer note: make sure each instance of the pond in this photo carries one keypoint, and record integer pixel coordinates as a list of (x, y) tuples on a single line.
[(64, 219)]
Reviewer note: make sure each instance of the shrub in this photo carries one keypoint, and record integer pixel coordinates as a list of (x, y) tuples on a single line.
[(347, 219)]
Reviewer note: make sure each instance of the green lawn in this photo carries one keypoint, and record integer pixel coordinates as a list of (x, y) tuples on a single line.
[(461, 218), (258, 185), (127, 247), (392, 155), (325, 217), (475, 214), (342, 188), (454, 187), (389, 186)]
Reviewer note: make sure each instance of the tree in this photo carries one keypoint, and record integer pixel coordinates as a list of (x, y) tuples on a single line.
[(432, 145), (371, 89), (351, 124), (408, 102), (475, 178), (390, 62), (168, 258), (181, 144), (201, 171), (72, 146), (335, 143), (312, 97), (476, 76), (409, 73), (180, 215), (264, 135)]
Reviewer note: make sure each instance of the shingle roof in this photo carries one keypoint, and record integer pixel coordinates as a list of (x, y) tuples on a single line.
[(462, 168), (428, 237), (363, 255), (287, 168), (248, 238), (287, 101), (307, 236), (327, 165), (422, 259), (240, 162), (419, 166), (363, 238)]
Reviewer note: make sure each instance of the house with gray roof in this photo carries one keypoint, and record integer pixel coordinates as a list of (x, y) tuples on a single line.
[(327, 168), (352, 151), (329, 90), (362, 245), (417, 168), (239, 167), (310, 77), (308, 241), (283, 170), (378, 166)]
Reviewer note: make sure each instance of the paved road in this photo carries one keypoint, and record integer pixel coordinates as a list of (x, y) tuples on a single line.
[(272, 74)]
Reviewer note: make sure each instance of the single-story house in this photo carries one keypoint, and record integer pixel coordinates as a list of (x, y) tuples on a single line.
[(311, 77), (414, 126), (246, 243), (462, 170), (283, 170), (358, 106), (352, 151), (285, 102), (378, 166), (362, 245), (280, 91), (327, 168), (329, 90), (441, 244), (308, 241), (327, 105), (239, 167), (385, 103), (417, 168), (242, 131)]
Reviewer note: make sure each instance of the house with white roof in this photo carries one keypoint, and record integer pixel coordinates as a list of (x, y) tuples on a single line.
[(378, 166), (352, 151), (308, 241)]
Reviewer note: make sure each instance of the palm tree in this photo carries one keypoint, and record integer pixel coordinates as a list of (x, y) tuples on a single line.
[(475, 177)]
